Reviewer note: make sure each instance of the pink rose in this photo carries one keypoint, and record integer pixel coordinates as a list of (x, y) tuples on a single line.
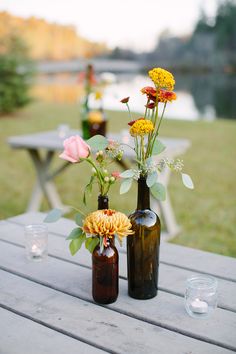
[(75, 148)]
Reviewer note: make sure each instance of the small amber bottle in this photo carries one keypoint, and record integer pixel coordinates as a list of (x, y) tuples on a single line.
[(105, 273)]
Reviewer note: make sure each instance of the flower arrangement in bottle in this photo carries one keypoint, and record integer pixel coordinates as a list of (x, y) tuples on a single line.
[(97, 232), (99, 153), (144, 245), (145, 133)]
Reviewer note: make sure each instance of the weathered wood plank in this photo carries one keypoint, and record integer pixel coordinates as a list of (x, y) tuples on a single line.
[(172, 279), (95, 324), (185, 257), (166, 310), (205, 262), (20, 335)]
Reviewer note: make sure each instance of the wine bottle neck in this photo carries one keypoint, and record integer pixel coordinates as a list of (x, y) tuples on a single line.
[(143, 194), (103, 202)]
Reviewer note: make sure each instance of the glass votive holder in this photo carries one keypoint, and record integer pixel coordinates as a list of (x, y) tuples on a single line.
[(36, 242), (201, 296)]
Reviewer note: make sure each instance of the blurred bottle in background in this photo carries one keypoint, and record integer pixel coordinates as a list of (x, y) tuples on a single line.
[(93, 120)]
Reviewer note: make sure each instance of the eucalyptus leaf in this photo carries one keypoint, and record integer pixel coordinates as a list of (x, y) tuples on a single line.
[(152, 178), (79, 219), (53, 215), (187, 181), (158, 147), (76, 244), (97, 142), (158, 191), (75, 233), (88, 189), (127, 174), (149, 161), (91, 243), (125, 185)]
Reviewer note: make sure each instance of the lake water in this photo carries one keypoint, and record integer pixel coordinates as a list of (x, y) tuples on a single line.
[(199, 97)]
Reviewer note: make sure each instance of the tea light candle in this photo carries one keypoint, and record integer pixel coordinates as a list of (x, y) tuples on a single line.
[(36, 241), (36, 251), (199, 306)]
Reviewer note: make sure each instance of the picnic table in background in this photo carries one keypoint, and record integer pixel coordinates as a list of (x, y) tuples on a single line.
[(51, 143), (47, 307)]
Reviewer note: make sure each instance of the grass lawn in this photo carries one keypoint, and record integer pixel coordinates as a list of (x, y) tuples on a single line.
[(207, 215)]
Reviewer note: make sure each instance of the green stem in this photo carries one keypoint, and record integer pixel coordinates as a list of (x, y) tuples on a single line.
[(130, 117), (81, 212), (156, 114), (161, 118), (158, 127), (142, 150), (146, 108), (97, 171), (128, 146), (150, 137)]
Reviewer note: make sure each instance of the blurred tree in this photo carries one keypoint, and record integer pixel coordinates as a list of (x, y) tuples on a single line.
[(49, 41), (122, 54), (225, 26), (211, 47), (16, 71)]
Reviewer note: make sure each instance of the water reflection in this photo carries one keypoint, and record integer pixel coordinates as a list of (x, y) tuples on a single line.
[(199, 97), (214, 93)]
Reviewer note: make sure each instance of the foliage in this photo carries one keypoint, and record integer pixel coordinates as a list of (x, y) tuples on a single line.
[(16, 72), (49, 41), (212, 44), (225, 26)]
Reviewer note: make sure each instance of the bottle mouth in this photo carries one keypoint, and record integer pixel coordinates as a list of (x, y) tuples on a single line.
[(202, 282)]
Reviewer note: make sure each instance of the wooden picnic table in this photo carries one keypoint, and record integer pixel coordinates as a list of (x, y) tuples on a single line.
[(50, 142), (47, 307)]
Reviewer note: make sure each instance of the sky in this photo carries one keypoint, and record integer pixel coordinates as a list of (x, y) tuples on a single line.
[(132, 24)]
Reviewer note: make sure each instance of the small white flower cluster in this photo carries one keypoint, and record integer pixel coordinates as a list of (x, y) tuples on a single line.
[(136, 174), (150, 168), (109, 179), (114, 150), (105, 173), (172, 164)]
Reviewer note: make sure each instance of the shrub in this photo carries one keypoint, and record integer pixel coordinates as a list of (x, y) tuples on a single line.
[(16, 71)]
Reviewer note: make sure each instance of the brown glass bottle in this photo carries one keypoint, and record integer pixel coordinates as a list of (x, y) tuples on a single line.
[(105, 274), (143, 247)]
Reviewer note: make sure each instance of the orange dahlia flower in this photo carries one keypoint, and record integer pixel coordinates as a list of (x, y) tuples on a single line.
[(166, 96), (149, 90), (107, 223)]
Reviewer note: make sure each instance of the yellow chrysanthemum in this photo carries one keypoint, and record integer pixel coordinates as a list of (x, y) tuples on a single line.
[(107, 223), (162, 78), (95, 117), (141, 127)]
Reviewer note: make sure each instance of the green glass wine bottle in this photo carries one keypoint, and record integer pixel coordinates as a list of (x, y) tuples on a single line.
[(143, 247)]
